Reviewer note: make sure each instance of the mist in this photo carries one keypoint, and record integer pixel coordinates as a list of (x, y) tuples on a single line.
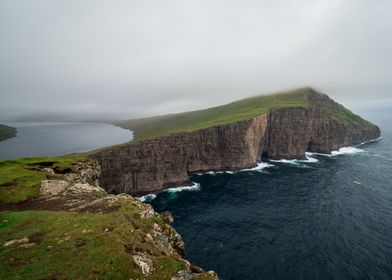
[(101, 60)]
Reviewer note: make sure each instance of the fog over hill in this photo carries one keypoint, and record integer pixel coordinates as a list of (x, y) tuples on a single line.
[(120, 59)]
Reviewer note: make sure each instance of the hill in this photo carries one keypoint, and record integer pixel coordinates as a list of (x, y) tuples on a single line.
[(245, 109), (230, 137), (6, 132)]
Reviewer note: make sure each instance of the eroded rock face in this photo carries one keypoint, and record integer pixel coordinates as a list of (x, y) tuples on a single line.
[(152, 165), (79, 191)]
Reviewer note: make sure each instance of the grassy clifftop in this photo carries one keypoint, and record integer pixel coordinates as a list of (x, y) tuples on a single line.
[(154, 127), (6, 132)]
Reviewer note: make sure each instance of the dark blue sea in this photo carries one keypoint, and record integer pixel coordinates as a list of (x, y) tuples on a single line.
[(327, 218)]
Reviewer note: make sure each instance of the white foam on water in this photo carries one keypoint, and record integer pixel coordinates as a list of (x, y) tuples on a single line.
[(370, 141), (260, 166), (217, 172), (193, 187), (147, 197), (289, 161), (318, 154), (347, 151), (309, 158)]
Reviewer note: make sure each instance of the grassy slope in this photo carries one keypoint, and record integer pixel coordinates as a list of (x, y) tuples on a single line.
[(20, 178), (70, 245), (159, 126), (6, 132), (190, 121)]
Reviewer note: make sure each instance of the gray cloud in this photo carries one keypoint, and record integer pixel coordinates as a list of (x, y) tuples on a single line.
[(137, 58)]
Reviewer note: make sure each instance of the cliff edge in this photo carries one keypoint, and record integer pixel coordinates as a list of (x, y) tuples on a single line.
[(56, 222), (230, 137)]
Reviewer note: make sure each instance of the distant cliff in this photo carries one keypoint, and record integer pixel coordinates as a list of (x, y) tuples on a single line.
[(286, 125)]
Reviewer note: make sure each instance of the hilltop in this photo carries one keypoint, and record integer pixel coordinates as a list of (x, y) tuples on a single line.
[(245, 109)]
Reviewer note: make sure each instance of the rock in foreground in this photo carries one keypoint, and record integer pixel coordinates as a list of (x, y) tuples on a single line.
[(72, 229)]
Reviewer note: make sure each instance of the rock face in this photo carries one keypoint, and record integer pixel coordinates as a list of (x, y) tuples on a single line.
[(152, 165), (153, 237)]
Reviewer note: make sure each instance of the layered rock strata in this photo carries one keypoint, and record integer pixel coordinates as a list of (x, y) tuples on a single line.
[(155, 164)]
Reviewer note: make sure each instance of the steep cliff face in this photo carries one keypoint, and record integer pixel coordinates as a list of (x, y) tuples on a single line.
[(151, 165)]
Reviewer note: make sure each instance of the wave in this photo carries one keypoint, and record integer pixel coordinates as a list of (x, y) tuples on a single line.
[(370, 141), (342, 151), (216, 172), (347, 151), (260, 166), (309, 159), (147, 197), (193, 187)]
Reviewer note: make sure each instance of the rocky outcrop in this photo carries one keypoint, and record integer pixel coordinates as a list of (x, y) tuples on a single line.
[(153, 237), (151, 165)]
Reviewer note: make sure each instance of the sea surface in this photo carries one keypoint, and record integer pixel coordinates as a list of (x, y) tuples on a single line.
[(56, 139), (326, 218)]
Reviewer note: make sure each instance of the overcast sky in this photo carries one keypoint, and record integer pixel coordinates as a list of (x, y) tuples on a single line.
[(139, 58)]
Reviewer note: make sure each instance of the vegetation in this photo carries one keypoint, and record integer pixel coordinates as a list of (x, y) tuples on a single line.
[(20, 179), (71, 245), (7, 132), (154, 127), (57, 244), (344, 115)]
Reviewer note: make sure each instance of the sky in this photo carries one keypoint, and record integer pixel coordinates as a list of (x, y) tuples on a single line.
[(116, 59)]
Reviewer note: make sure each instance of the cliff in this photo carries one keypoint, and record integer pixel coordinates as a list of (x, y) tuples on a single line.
[(60, 224), (278, 126)]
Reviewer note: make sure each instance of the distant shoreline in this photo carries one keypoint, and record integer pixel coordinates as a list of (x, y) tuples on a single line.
[(7, 132)]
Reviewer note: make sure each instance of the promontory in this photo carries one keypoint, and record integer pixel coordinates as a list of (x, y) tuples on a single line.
[(167, 149)]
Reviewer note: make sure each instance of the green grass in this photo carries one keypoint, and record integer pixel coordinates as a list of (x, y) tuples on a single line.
[(155, 127), (248, 108), (20, 179), (70, 245), (7, 132), (81, 247), (346, 116)]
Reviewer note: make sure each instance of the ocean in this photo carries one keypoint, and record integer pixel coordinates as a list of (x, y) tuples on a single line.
[(326, 218)]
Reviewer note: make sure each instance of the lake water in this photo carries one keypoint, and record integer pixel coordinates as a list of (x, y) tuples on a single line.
[(56, 139), (328, 218)]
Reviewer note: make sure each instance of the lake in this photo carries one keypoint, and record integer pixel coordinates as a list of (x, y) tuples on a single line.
[(57, 139)]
